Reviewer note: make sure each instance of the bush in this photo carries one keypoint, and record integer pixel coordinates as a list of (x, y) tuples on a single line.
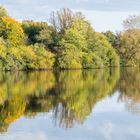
[(25, 57)]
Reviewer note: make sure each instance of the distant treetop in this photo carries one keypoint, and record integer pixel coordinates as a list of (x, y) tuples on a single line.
[(133, 21), (3, 12)]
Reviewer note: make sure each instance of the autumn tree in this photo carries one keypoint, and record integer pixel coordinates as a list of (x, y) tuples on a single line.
[(11, 31), (129, 47), (15, 55)]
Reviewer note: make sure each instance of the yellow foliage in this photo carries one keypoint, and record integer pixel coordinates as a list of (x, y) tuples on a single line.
[(11, 30)]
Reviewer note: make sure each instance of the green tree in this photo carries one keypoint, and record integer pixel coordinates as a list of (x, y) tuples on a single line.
[(112, 38), (104, 53), (37, 32), (71, 39), (93, 49)]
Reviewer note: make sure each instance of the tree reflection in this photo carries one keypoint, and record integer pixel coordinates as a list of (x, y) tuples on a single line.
[(130, 89), (69, 95), (15, 90)]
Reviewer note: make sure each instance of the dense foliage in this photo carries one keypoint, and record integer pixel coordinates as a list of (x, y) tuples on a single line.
[(11, 31), (68, 42), (129, 47), (37, 32), (25, 57), (15, 54), (81, 47)]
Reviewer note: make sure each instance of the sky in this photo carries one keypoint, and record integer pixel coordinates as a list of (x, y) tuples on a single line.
[(102, 14)]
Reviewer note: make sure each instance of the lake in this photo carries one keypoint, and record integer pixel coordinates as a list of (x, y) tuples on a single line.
[(100, 104)]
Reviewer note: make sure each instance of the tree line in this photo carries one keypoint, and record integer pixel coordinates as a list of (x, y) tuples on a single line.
[(67, 41)]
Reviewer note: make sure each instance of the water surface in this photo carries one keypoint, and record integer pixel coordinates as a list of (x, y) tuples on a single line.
[(70, 105)]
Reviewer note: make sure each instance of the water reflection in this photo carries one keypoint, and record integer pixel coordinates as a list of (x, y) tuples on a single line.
[(129, 86), (70, 95), (15, 91)]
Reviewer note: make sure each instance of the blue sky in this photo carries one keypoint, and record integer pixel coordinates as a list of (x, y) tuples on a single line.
[(103, 14)]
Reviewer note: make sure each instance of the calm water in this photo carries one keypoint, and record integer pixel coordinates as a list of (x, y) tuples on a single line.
[(70, 105)]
